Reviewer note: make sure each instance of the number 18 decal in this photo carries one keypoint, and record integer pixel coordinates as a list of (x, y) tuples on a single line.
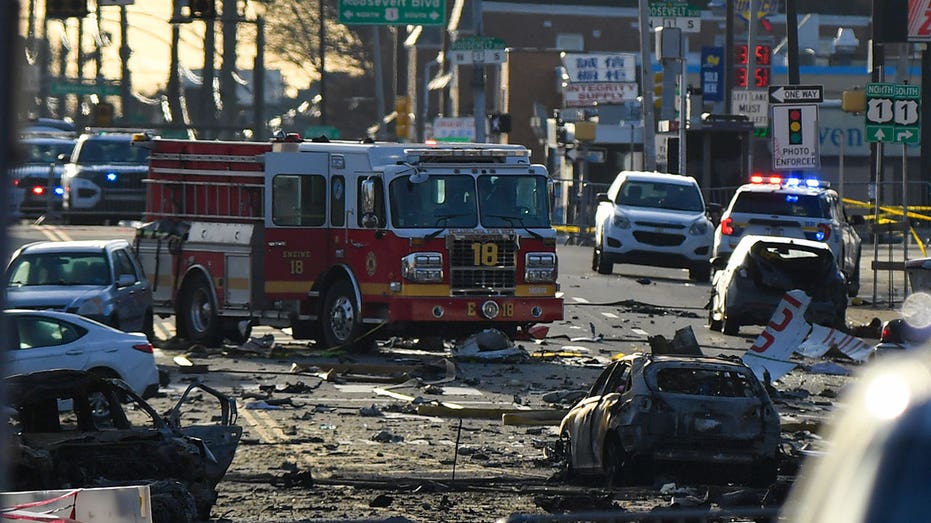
[(485, 254)]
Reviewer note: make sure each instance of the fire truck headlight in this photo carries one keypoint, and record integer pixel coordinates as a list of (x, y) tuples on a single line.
[(423, 267), (540, 267), (490, 310)]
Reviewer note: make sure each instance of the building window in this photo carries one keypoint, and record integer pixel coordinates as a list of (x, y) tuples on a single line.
[(570, 42)]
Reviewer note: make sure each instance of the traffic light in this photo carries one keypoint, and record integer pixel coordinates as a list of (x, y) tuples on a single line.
[(499, 122), (795, 126), (63, 9), (204, 9), (402, 121)]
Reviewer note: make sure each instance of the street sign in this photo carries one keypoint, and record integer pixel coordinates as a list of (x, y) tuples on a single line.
[(604, 93), (421, 12), (454, 129), (919, 20), (680, 15), (712, 73), (752, 103), (600, 67), (795, 94), (893, 113), (476, 50), (63, 87), (796, 138)]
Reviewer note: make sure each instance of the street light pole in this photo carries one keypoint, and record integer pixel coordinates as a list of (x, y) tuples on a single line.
[(646, 80)]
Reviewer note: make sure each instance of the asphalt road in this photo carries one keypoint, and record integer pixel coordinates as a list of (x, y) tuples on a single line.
[(312, 447), (597, 300)]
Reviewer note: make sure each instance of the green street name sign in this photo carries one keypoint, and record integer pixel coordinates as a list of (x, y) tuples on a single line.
[(82, 89), (392, 12), (893, 113), (674, 10)]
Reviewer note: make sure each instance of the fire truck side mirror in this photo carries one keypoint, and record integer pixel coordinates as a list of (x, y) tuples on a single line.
[(369, 219)]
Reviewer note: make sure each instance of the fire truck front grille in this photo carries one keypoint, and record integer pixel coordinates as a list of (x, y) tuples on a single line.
[(483, 265)]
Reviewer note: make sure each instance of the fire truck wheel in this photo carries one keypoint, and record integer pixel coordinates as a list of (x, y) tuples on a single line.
[(342, 321), (199, 313)]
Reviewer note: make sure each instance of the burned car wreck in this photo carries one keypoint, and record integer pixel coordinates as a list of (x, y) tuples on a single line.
[(646, 411), (747, 287), (72, 429)]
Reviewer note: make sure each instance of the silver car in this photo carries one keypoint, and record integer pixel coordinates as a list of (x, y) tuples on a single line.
[(99, 279)]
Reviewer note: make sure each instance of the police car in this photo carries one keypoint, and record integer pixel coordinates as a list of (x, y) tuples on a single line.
[(792, 208)]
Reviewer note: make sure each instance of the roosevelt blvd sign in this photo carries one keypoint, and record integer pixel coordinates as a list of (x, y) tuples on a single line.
[(893, 113), (392, 12)]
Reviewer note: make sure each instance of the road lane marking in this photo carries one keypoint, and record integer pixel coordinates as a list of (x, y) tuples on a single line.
[(610, 315), (54, 233), (580, 300), (641, 332), (263, 434)]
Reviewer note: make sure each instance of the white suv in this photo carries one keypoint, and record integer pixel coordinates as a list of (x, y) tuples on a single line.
[(792, 208), (651, 218)]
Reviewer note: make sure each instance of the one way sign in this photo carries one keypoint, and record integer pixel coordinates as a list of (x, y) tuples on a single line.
[(794, 94)]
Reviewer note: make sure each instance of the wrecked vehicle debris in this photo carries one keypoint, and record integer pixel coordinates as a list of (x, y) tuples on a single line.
[(645, 411), (747, 287), (98, 441)]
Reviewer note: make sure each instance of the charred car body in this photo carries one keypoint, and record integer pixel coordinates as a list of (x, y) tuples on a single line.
[(648, 410), (748, 286), (100, 442)]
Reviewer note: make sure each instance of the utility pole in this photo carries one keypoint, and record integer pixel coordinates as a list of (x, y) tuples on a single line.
[(228, 68), (646, 81), (45, 65), (174, 81), (208, 106), (478, 79), (98, 49), (728, 56), (125, 80), (258, 80), (380, 133), (792, 42), (322, 51)]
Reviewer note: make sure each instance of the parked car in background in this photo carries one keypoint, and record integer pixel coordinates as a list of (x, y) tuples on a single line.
[(792, 208), (748, 286), (37, 174), (99, 279), (46, 340), (648, 410), (878, 463), (656, 219), (100, 442), (103, 179)]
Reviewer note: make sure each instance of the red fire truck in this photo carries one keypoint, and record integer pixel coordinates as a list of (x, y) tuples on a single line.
[(344, 242)]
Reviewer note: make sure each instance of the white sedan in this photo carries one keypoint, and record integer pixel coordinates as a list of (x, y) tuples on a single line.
[(45, 340)]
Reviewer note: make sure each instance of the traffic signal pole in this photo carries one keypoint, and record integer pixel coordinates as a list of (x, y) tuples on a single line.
[(646, 83), (478, 80)]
